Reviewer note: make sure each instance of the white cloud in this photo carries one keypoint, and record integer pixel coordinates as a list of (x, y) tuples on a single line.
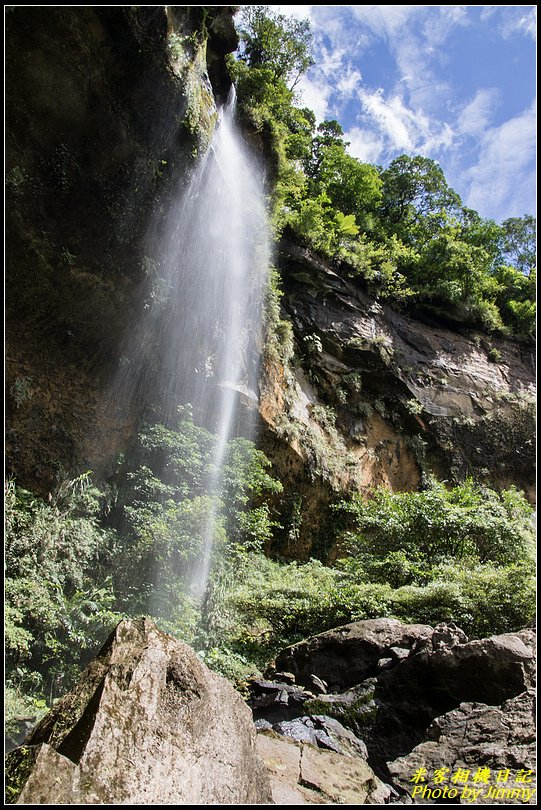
[(517, 21), (393, 119), (502, 184), (437, 27), (299, 12), (315, 93), (403, 129), (344, 33), (385, 21), (365, 144), (488, 11), (513, 19), (331, 76), (438, 136), (418, 105), (476, 116), (349, 82), (331, 61), (414, 36)]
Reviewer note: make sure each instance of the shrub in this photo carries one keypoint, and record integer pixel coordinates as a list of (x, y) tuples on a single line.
[(59, 602), (439, 523), (494, 355)]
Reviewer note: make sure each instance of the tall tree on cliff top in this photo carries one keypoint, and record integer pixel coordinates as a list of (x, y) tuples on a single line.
[(274, 41), (519, 243)]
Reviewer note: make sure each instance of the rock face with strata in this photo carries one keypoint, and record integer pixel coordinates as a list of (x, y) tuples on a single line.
[(148, 723), (377, 397)]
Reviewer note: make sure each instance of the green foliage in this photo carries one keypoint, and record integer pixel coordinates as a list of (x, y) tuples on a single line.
[(69, 580), (450, 576), (232, 665), (16, 181), (463, 554), (60, 539), (494, 355), (19, 704), (518, 243), (59, 599), (183, 47), (415, 195), (275, 42), (413, 406), (482, 599), (402, 229), (465, 522), (67, 259), (268, 605), (171, 512), (279, 332), (515, 297), (474, 568), (352, 187)]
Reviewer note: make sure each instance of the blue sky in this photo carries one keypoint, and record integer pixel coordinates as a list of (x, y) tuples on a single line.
[(453, 83)]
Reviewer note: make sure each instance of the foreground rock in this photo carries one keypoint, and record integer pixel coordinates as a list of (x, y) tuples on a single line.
[(501, 739), (413, 697), (303, 774), (148, 723)]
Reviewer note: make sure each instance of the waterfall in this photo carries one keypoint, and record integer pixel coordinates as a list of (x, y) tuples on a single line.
[(213, 260)]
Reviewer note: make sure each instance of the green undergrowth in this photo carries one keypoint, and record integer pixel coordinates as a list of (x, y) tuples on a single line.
[(80, 561)]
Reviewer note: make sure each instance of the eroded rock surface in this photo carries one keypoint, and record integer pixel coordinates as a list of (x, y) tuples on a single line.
[(303, 774), (498, 738), (414, 697), (375, 397), (347, 655), (148, 723)]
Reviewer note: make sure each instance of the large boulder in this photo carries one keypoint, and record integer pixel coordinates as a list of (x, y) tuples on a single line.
[(393, 716), (348, 654), (501, 739), (147, 723), (415, 696), (490, 670)]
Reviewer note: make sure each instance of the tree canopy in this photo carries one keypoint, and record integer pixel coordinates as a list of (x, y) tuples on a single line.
[(274, 41), (402, 229)]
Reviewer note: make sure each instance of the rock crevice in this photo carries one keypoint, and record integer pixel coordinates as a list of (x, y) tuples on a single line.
[(414, 697)]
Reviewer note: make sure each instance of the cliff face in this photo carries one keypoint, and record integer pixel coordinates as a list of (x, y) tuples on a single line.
[(106, 108), (374, 397)]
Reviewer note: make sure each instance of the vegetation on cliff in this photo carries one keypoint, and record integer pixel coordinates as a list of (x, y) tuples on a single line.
[(85, 557), (402, 228), (82, 560)]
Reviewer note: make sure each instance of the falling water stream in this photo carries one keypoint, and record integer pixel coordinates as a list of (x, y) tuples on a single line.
[(214, 255)]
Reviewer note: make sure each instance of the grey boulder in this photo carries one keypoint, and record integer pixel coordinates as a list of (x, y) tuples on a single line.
[(147, 723)]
